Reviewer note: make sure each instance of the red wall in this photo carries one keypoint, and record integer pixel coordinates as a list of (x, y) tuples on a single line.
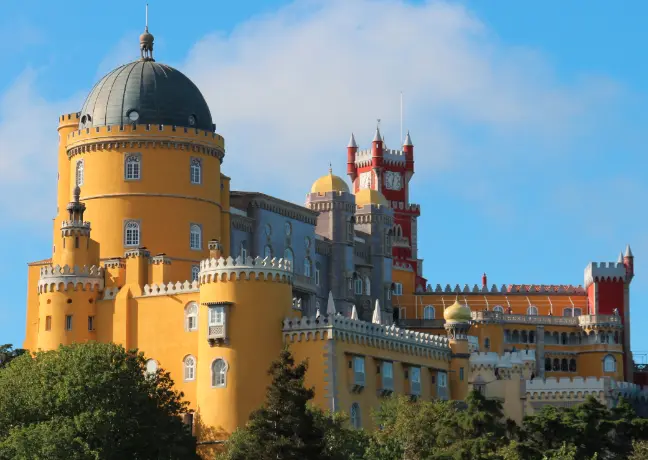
[(610, 294)]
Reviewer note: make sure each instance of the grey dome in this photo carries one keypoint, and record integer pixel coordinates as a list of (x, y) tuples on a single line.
[(146, 92)]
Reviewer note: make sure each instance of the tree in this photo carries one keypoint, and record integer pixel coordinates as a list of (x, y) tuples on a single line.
[(90, 401), (285, 427), (639, 450), (8, 353)]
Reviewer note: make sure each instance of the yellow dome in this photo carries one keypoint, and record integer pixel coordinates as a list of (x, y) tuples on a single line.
[(370, 196), (329, 183), (457, 312)]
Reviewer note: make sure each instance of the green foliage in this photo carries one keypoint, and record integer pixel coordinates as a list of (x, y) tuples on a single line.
[(8, 353), (285, 427), (90, 401), (639, 450)]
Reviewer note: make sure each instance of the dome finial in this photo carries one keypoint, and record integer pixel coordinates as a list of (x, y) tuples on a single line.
[(330, 168), (146, 42)]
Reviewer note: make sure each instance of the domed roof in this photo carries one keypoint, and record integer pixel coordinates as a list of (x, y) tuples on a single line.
[(369, 196), (146, 92), (457, 312), (329, 183)]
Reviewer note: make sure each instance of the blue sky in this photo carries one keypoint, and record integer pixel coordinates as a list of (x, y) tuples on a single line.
[(528, 118)]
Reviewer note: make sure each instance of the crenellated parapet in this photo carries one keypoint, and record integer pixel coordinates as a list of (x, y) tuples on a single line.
[(57, 278), (604, 271), (213, 270), (511, 289), (72, 228), (576, 388), (370, 334), (171, 288), (584, 321)]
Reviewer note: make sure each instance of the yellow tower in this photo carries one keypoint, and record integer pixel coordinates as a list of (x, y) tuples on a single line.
[(457, 323)]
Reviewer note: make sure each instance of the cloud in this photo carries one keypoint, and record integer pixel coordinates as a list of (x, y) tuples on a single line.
[(287, 88)]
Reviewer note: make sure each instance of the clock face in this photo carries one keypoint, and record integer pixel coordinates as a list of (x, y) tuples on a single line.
[(365, 180), (393, 180)]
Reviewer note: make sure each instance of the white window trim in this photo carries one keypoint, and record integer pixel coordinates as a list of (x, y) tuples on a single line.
[(155, 363), (498, 308), (398, 289), (429, 308), (532, 310), (195, 272), (611, 359), (317, 275), (71, 322), (355, 416), (79, 172), (138, 157), (139, 233), (290, 259), (188, 314), (225, 370), (358, 286), (214, 313), (185, 368), (200, 236), (367, 285), (198, 161)]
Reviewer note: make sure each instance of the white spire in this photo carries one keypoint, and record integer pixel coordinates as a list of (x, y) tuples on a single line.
[(377, 314), (620, 260), (352, 142), (628, 252), (354, 312), (317, 313), (330, 305), (408, 140)]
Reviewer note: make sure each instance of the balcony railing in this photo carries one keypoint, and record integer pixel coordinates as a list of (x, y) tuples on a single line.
[(421, 323), (582, 320)]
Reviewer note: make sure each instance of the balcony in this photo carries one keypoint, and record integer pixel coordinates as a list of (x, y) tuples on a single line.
[(421, 323), (583, 320), (304, 283)]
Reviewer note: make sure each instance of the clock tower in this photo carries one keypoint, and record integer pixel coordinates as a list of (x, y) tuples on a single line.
[(390, 171)]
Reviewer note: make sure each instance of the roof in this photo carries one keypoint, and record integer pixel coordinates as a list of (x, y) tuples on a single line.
[(329, 183), (146, 92), (369, 196), (243, 200)]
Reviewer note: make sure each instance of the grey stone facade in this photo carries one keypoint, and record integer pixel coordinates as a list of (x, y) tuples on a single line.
[(335, 247)]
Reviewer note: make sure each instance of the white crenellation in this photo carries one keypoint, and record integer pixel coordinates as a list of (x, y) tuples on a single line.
[(114, 263), (509, 290), (57, 278), (612, 271), (366, 333), (212, 270), (171, 288)]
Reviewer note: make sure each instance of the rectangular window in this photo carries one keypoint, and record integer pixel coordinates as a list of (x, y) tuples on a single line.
[(398, 289), (133, 167), (461, 373), (359, 370), (216, 316), (388, 375), (68, 322), (415, 381), (191, 323), (48, 323), (91, 323), (196, 171), (317, 276), (443, 379)]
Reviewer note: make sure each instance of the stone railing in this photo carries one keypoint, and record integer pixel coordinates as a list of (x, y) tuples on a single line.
[(600, 320), (212, 270), (421, 323), (171, 288), (328, 327), (56, 278), (497, 317)]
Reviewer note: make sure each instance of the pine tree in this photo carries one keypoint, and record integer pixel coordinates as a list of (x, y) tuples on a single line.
[(284, 427)]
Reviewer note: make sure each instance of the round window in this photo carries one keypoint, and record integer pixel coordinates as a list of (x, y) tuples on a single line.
[(133, 115), (192, 120)]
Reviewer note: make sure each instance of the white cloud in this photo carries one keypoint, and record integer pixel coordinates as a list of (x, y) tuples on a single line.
[(287, 88)]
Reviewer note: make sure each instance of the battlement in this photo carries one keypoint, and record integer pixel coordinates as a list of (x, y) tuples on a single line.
[(569, 384), (507, 360), (151, 290), (57, 278), (212, 270), (402, 206), (69, 119), (390, 156), (70, 224), (523, 289), (366, 333), (609, 271), (584, 321)]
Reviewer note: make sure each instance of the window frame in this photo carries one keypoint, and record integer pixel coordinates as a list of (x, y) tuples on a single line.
[(428, 308), (191, 311), (127, 222), (358, 286), (189, 371), (195, 273), (308, 268), (216, 315), (195, 166), (355, 416), (387, 381), (291, 259), (367, 285), (48, 323), (267, 252), (318, 274), (498, 308), (79, 172), (91, 321), (609, 359), (68, 322), (134, 159), (222, 372), (192, 232), (532, 310), (398, 289), (359, 369)]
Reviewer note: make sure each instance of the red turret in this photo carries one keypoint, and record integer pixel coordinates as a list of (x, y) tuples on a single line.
[(484, 279), (628, 262), (408, 149), (377, 150), (352, 149)]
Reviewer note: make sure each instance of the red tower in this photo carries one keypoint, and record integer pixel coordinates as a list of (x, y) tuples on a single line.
[(390, 172)]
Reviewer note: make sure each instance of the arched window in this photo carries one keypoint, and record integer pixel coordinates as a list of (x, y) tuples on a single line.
[(556, 364), (307, 267), (317, 274), (195, 272), (572, 365), (195, 237), (367, 285), (133, 167), (79, 173), (609, 364), (567, 312), (515, 337), (387, 239), (498, 308), (487, 343), (358, 286), (563, 339), (151, 366), (243, 250), (356, 420), (267, 251), (564, 366), (532, 310), (531, 336), (131, 233), (428, 312), (402, 313), (219, 373), (547, 364), (578, 312), (189, 368), (196, 171), (350, 230), (191, 317), (524, 338), (289, 258)]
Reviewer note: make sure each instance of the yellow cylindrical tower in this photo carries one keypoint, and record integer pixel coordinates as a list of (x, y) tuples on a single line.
[(243, 304), (457, 323), (67, 123)]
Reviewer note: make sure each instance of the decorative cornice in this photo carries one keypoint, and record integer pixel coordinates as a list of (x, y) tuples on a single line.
[(511, 289), (151, 195), (213, 270), (272, 204), (57, 278), (187, 287), (245, 224)]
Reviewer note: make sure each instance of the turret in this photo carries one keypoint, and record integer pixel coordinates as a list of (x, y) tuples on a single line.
[(484, 281), (408, 148), (377, 153), (628, 262), (457, 323), (75, 248), (352, 149)]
